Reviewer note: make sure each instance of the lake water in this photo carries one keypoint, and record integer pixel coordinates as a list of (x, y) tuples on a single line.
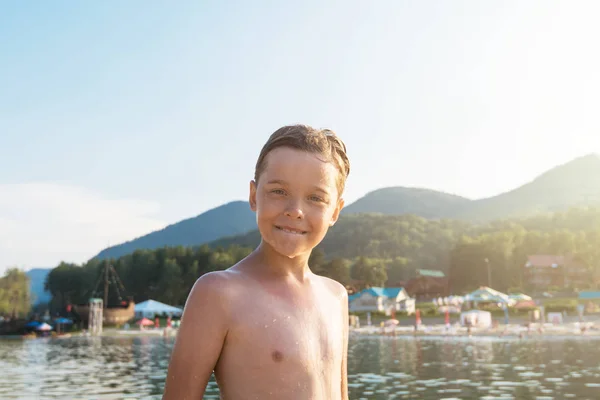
[(379, 368)]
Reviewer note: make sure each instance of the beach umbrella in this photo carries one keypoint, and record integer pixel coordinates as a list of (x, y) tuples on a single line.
[(32, 324), (145, 322), (62, 321), (43, 327)]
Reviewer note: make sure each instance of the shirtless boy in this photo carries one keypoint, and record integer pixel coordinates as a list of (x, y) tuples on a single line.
[(268, 327)]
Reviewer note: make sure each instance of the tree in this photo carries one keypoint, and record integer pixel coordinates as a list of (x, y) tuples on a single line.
[(397, 270), (15, 298), (316, 261), (338, 269), (166, 274), (369, 271), (372, 249), (70, 283), (468, 269), (170, 282)]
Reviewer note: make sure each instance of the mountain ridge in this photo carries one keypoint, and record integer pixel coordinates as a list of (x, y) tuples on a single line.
[(192, 231), (417, 200), (570, 184), (566, 185)]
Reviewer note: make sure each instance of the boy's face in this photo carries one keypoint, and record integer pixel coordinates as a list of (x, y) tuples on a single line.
[(296, 200)]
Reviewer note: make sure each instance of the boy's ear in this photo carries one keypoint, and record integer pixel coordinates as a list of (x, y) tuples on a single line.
[(252, 197), (336, 212)]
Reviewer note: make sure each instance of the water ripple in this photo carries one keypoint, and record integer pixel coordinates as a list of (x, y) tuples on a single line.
[(379, 368)]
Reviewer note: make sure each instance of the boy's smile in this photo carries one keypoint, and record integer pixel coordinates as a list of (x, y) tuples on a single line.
[(290, 230), (295, 200)]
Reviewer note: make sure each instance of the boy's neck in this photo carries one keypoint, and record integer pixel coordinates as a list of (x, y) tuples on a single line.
[(274, 264)]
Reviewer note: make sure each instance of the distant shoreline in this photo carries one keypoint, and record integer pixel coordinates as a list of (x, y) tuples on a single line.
[(438, 331), (568, 330)]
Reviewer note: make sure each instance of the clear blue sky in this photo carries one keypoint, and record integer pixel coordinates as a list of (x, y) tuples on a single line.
[(117, 118)]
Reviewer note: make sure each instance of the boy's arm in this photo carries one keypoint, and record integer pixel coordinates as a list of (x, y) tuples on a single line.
[(345, 346), (199, 339)]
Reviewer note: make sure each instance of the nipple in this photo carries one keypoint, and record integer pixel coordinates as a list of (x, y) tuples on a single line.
[(277, 356)]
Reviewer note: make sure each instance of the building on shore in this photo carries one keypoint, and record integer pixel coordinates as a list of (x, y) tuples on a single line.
[(377, 299), (543, 271), (427, 285)]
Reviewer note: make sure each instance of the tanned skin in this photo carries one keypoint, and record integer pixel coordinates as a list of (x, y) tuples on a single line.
[(268, 327)]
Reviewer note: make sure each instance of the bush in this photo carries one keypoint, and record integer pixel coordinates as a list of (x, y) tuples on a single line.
[(492, 309), (363, 314), (561, 305), (427, 309), (498, 312), (523, 310)]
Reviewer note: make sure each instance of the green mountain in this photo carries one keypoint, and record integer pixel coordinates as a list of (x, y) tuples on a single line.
[(406, 243), (377, 235), (236, 218), (229, 219), (426, 203), (574, 184)]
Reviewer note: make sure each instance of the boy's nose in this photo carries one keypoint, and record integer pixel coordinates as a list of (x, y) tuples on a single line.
[(293, 210)]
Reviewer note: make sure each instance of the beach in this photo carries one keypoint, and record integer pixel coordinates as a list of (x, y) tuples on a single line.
[(573, 329)]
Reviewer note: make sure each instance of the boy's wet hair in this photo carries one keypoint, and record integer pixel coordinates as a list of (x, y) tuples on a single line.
[(322, 142)]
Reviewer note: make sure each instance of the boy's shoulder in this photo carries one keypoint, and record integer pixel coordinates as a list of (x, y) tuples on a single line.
[(215, 285), (336, 288), (215, 279)]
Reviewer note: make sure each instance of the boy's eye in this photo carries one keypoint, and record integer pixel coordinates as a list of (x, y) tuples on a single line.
[(316, 198), (278, 191)]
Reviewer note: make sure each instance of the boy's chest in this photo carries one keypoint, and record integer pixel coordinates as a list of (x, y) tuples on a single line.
[(267, 332)]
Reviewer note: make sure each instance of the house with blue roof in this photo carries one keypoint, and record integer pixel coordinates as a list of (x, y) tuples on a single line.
[(589, 295), (591, 300), (378, 299)]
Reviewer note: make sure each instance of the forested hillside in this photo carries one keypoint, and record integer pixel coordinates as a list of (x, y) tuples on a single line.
[(407, 243), (369, 249), (574, 184)]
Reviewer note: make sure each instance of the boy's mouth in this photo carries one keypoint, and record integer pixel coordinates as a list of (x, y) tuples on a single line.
[(288, 229)]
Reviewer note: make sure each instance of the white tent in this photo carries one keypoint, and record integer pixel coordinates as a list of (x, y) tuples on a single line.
[(519, 297), (477, 318), (488, 295), (149, 308)]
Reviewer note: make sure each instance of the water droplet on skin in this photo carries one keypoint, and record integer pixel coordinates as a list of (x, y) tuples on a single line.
[(266, 326)]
